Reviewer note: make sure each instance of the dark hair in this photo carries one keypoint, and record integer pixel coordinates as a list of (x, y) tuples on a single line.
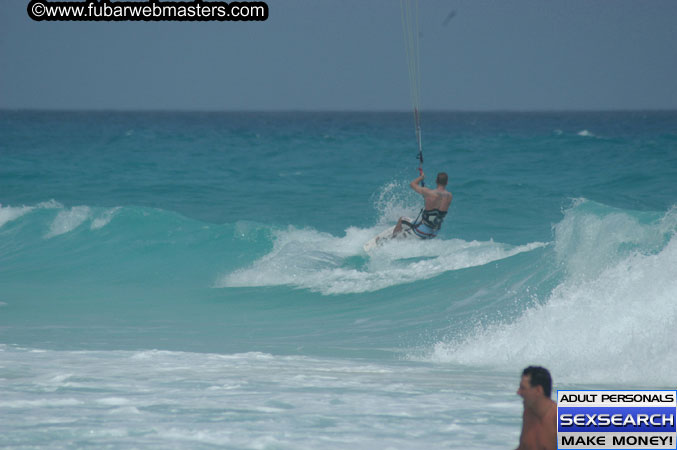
[(539, 376), (442, 179)]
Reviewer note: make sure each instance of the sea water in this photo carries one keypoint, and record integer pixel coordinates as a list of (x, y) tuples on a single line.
[(197, 280)]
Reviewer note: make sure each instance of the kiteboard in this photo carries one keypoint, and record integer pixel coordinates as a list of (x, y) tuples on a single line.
[(383, 237)]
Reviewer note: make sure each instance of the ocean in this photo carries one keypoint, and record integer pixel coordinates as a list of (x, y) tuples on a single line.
[(197, 280)]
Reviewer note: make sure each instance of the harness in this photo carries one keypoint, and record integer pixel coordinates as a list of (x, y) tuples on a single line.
[(429, 225), (433, 218)]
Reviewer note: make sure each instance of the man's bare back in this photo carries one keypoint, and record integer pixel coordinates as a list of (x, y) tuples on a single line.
[(438, 198)]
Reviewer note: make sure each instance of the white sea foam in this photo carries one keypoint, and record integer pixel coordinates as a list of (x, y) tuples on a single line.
[(614, 317), (104, 219), (114, 401), (316, 261), (51, 204), (42, 403), (10, 213), (126, 411), (68, 220), (587, 243), (585, 133), (286, 401)]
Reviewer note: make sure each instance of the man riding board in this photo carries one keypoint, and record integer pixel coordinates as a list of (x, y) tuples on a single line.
[(437, 203)]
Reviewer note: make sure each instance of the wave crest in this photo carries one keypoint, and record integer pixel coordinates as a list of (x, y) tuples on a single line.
[(323, 263), (611, 318)]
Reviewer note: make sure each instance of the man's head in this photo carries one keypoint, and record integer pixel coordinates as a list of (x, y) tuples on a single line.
[(442, 179), (535, 384)]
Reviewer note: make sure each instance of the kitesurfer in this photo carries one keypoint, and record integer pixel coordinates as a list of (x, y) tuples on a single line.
[(435, 208)]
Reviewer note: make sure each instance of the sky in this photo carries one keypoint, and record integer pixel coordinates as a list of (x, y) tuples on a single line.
[(349, 55)]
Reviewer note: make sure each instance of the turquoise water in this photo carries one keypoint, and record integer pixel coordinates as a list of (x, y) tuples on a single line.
[(186, 280)]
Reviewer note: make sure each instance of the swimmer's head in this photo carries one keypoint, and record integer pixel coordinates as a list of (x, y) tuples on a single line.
[(536, 377)]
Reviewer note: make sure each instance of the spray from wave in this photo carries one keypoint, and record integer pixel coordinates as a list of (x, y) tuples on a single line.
[(321, 262), (613, 316), (338, 265), (12, 213)]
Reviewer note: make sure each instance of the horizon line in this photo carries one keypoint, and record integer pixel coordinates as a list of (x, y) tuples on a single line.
[(340, 111)]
